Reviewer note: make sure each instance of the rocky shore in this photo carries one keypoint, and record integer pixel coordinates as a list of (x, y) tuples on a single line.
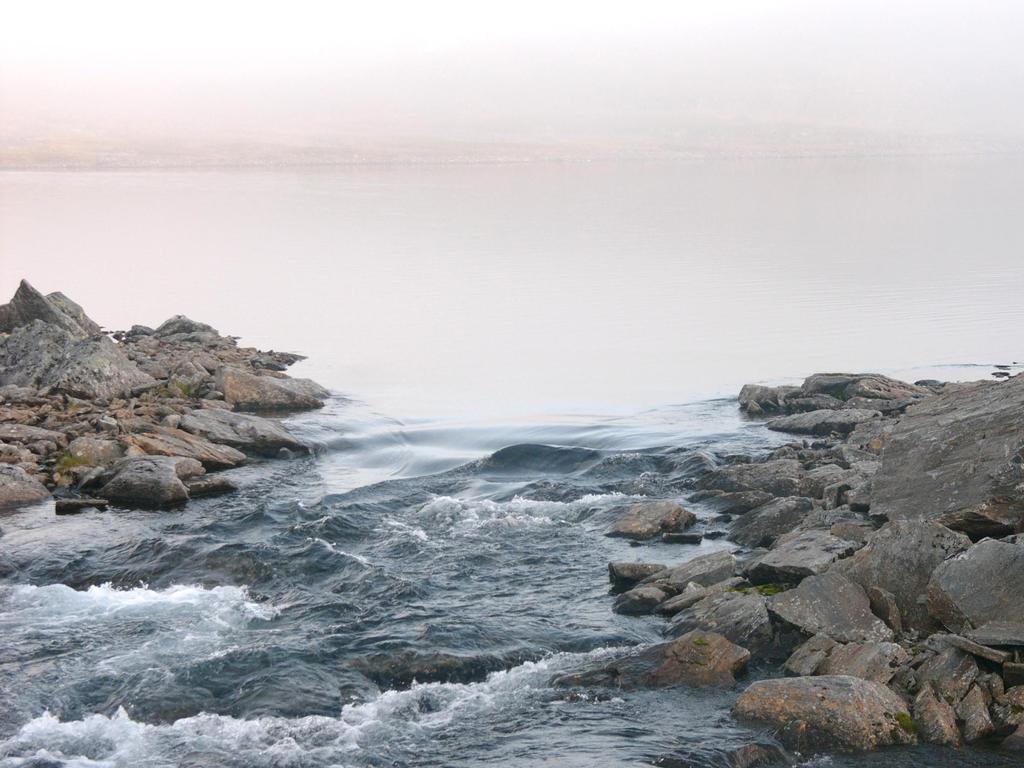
[(877, 577), (138, 418)]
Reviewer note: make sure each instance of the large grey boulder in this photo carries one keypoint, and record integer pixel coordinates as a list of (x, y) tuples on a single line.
[(150, 483), (823, 422), (741, 617), (828, 712), (29, 305), (49, 358), (763, 525), (832, 605), (695, 659), (982, 585), (899, 558), (250, 392), (798, 555), (781, 477), (18, 488), (958, 459), (651, 518), (249, 433)]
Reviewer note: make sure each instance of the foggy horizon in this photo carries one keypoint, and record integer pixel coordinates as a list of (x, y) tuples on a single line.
[(343, 83)]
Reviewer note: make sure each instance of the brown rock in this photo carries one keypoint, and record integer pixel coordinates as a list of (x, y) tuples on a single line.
[(251, 392), (870, 661), (651, 518), (936, 720), (972, 711)]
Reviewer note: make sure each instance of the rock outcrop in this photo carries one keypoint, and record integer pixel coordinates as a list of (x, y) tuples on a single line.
[(981, 585), (828, 712)]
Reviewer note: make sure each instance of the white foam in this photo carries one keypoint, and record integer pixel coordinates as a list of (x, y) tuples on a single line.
[(119, 742), (471, 514)]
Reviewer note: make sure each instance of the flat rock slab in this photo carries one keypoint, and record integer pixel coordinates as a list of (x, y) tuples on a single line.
[(798, 556), (166, 441), (828, 712), (695, 659), (900, 558), (74, 506), (832, 605), (956, 459), (244, 431), (983, 584), (999, 633), (651, 518), (823, 422)]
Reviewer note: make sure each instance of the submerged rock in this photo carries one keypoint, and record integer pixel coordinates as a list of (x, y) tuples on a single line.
[(695, 659), (828, 712)]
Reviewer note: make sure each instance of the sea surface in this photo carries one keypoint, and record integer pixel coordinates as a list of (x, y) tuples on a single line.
[(516, 351)]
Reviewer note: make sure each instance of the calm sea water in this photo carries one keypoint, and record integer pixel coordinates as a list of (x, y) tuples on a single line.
[(517, 351)]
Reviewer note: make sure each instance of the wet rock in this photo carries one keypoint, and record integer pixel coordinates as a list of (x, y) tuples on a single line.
[(50, 358), (936, 720), (756, 399), (900, 558), (957, 459), (827, 712), (682, 538), (870, 661), (824, 422), (209, 485), (250, 392), (167, 441), (1014, 742), (18, 488), (624, 575), (809, 656), (983, 584), (249, 433), (652, 518), (972, 712), (797, 556), (781, 477), (951, 673), (639, 601), (999, 633), (833, 605), (742, 618), (695, 659), (72, 506), (150, 483), (762, 526)]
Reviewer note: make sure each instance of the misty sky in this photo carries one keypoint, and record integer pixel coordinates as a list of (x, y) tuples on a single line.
[(550, 71)]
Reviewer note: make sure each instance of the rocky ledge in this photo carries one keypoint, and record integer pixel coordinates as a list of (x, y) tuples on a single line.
[(135, 418), (876, 573)]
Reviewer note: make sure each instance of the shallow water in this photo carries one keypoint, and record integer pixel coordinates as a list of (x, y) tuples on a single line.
[(287, 625)]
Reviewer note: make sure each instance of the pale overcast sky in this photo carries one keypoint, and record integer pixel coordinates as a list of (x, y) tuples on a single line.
[(524, 70)]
